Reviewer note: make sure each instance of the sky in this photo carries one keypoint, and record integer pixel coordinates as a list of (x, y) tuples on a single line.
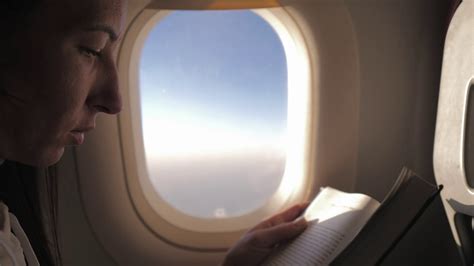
[(213, 89)]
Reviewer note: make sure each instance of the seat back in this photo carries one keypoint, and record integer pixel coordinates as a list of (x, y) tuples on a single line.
[(454, 139)]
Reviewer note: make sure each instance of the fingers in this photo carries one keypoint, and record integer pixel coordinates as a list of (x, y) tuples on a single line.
[(257, 243), (269, 237), (283, 217)]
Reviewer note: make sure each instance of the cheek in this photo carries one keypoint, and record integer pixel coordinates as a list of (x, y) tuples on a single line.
[(73, 89), (61, 105), (72, 81)]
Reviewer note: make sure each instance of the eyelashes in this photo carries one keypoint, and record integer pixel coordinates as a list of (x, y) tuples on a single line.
[(91, 53)]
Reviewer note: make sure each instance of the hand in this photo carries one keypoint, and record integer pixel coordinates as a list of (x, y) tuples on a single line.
[(257, 243)]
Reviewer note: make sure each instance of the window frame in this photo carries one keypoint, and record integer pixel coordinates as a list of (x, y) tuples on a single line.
[(159, 216)]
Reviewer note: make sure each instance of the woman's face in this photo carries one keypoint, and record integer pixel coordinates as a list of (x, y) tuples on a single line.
[(57, 73)]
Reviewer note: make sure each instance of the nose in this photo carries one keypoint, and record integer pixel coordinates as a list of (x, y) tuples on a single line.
[(106, 96)]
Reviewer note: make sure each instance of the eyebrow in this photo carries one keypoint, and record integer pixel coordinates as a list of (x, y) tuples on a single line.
[(104, 28)]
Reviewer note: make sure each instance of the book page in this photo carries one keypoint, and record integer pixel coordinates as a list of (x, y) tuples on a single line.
[(334, 219)]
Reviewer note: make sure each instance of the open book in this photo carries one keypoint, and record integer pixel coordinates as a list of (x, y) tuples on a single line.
[(355, 229)]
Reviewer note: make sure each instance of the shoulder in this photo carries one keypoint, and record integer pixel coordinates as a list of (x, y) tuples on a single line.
[(4, 217), (11, 252)]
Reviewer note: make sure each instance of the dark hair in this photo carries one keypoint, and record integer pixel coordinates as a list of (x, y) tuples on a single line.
[(18, 8), (20, 184)]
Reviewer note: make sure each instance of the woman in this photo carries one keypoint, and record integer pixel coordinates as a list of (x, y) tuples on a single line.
[(58, 73)]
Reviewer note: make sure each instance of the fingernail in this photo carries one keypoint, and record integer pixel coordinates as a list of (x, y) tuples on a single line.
[(301, 222)]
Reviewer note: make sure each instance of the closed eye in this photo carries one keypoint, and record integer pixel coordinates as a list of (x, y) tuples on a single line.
[(90, 52)]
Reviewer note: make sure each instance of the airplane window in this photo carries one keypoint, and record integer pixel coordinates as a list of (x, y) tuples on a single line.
[(213, 92)]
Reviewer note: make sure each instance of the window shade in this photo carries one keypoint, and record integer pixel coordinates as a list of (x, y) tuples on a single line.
[(212, 4)]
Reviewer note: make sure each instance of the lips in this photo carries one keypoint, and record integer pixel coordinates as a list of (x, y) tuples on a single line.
[(77, 137), (78, 134)]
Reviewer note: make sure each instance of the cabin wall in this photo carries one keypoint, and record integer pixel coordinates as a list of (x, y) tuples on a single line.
[(378, 67), (79, 246), (401, 46)]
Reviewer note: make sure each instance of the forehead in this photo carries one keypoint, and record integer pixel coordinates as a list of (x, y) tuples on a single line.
[(71, 14)]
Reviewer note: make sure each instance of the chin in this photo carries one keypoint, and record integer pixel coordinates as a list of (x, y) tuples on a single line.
[(53, 158), (46, 158)]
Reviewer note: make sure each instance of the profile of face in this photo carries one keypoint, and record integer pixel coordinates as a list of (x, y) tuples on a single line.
[(58, 73)]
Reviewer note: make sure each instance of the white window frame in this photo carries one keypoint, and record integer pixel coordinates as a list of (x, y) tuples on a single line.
[(162, 218)]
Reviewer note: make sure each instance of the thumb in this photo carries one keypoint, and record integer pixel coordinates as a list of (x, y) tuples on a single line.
[(268, 238)]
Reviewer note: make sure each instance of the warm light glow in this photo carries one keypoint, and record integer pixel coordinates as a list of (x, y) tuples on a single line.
[(176, 137), (299, 99)]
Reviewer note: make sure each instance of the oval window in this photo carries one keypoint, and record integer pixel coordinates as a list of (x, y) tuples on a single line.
[(213, 92)]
